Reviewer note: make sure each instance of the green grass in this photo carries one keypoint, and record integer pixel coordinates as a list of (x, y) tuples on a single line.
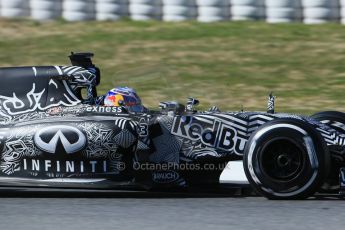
[(228, 64)]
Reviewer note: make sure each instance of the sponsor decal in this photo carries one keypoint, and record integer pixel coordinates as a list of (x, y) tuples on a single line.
[(55, 110), (214, 134), (40, 165), (165, 177), (60, 150), (104, 109), (49, 138)]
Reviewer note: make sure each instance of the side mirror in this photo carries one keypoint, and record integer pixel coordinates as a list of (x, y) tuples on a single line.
[(171, 106), (191, 103)]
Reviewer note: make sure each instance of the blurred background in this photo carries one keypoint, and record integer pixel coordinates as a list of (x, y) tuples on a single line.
[(229, 53)]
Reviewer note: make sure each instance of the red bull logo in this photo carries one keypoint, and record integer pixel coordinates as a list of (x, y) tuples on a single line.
[(216, 134), (114, 100)]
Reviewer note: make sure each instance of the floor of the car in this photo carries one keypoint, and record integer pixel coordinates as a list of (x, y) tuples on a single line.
[(83, 183)]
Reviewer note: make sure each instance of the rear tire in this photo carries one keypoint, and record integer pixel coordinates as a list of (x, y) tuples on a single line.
[(286, 159)]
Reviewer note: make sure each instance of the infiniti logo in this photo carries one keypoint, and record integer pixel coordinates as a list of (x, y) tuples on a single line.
[(71, 138)]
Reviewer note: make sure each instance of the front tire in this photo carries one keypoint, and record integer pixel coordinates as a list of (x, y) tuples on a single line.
[(334, 119), (286, 159)]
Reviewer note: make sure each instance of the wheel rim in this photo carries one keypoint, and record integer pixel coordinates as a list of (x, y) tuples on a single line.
[(282, 159)]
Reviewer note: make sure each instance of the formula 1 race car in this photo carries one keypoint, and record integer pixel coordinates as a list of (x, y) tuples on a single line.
[(53, 135)]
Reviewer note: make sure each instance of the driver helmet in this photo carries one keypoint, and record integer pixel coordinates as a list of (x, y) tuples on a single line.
[(126, 97)]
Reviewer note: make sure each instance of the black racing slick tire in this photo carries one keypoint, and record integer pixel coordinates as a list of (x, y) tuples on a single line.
[(334, 119), (286, 159)]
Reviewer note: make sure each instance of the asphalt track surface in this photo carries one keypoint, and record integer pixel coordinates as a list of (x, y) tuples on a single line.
[(142, 210)]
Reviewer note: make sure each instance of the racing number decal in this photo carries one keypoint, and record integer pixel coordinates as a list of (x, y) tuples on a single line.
[(143, 128)]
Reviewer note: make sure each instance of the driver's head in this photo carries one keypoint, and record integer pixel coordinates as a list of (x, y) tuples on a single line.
[(124, 96)]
